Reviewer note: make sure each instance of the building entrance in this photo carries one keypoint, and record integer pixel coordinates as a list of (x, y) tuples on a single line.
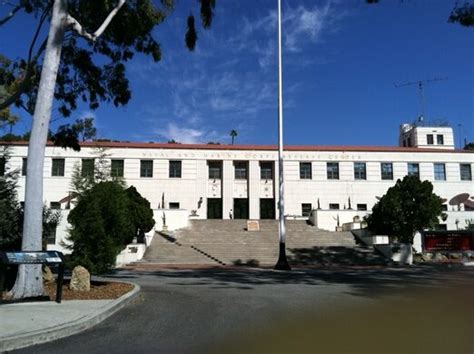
[(241, 208), (267, 208), (214, 208)]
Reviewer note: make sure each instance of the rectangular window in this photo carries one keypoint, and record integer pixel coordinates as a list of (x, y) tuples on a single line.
[(444, 207), (55, 205), (440, 139), (306, 209), (175, 169), (240, 170), (266, 170), (24, 166), (305, 170), (2, 166), (334, 206), (414, 169), (117, 168), (429, 139), (466, 174), (174, 205), (87, 167), (386, 170), (58, 168), (146, 168), (215, 169), (51, 236), (439, 172), (362, 207), (359, 170), (332, 169)]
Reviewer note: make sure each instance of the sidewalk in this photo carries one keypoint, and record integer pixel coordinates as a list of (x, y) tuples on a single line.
[(26, 324)]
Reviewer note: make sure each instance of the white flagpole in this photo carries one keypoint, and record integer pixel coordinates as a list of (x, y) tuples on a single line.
[(282, 263)]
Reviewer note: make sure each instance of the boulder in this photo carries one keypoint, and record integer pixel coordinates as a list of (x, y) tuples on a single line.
[(48, 276), (80, 279)]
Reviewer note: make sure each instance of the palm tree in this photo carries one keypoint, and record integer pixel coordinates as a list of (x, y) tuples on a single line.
[(233, 134)]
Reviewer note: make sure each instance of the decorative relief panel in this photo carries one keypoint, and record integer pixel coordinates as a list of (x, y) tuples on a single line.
[(266, 189), (240, 189), (214, 188)]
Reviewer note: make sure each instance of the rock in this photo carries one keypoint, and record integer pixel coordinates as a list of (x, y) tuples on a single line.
[(455, 256), (426, 257), (80, 279), (48, 276)]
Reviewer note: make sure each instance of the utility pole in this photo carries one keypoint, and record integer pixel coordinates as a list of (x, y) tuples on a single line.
[(421, 84), (282, 263)]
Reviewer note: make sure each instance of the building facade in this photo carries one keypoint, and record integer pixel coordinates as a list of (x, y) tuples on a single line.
[(241, 181)]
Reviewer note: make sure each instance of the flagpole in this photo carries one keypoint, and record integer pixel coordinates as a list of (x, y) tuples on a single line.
[(282, 263)]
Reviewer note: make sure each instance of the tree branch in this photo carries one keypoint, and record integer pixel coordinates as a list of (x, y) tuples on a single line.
[(11, 14), (93, 36), (22, 87)]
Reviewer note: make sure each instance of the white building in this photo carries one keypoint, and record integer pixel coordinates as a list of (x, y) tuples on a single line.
[(240, 181)]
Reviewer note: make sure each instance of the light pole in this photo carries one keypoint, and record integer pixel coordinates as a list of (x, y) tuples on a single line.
[(282, 263)]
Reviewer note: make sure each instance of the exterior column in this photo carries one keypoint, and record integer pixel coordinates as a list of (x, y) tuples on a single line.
[(227, 188), (254, 189)]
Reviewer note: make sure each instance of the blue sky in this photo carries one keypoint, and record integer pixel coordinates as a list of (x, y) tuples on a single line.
[(341, 61)]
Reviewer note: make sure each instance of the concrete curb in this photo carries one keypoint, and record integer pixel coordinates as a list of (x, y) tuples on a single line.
[(68, 329)]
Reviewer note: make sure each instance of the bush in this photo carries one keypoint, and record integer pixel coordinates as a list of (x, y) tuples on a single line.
[(106, 218), (101, 227), (409, 206)]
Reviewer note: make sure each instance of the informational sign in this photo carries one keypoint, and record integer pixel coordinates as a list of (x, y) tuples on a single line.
[(438, 241), (253, 225), (47, 257), (51, 258)]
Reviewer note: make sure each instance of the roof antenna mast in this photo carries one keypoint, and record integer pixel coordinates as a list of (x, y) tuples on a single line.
[(421, 84)]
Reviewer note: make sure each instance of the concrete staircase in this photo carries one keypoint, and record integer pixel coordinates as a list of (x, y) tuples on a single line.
[(226, 242)]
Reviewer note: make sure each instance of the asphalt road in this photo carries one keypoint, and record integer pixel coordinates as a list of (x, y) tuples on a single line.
[(419, 309)]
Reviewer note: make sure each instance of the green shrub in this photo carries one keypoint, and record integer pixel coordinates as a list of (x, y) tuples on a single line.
[(101, 226)]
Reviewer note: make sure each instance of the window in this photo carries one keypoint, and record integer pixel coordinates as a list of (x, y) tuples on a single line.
[(362, 207), (305, 170), (333, 206), (466, 174), (359, 170), (440, 139), (439, 172), (175, 169), (58, 168), (306, 209), (429, 139), (87, 167), (55, 205), (386, 170), (2, 166), (51, 235), (332, 169), (117, 168), (146, 168), (414, 169), (266, 170), (215, 169), (23, 166), (444, 207), (174, 205), (240, 169)]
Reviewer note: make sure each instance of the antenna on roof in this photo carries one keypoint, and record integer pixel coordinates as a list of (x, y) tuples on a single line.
[(421, 84)]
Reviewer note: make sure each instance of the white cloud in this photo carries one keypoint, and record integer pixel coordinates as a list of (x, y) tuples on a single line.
[(183, 135)]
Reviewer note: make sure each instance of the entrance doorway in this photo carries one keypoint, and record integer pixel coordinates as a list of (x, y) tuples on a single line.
[(214, 208), (241, 208), (267, 208)]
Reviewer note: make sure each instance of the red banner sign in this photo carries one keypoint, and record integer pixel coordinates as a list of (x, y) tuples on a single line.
[(448, 241)]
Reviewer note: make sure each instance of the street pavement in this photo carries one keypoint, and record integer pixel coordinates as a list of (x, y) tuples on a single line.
[(420, 309)]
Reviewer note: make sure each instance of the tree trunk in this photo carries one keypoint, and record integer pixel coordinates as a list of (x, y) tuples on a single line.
[(29, 282)]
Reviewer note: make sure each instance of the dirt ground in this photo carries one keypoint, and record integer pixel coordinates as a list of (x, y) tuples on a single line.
[(99, 291)]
